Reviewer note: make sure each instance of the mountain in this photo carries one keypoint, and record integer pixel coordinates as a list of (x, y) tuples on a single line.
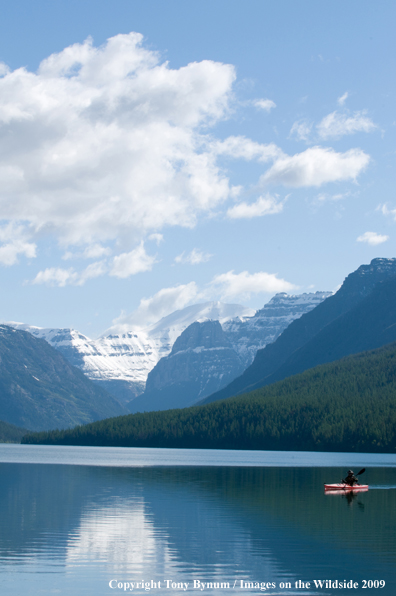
[(207, 355), (120, 360), (201, 361), (347, 405), (40, 389), (10, 433), (250, 334), (288, 354)]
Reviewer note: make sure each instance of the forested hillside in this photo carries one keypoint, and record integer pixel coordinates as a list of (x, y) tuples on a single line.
[(349, 405), (335, 328), (10, 433)]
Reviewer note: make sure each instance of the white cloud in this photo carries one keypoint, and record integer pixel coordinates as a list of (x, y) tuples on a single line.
[(15, 239), (195, 257), (130, 263), (109, 143), (336, 197), (316, 166), (372, 238), (386, 211), (264, 104), (157, 238), (163, 303), (267, 205), (10, 252), (341, 100), (56, 276), (240, 147), (336, 125), (301, 130), (3, 69), (96, 251), (93, 251), (243, 284)]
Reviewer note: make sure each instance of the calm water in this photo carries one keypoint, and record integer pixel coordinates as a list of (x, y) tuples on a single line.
[(74, 519)]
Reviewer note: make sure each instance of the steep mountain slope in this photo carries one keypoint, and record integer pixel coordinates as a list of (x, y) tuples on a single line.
[(347, 405), (121, 359), (10, 433), (202, 360), (207, 356), (369, 325), (355, 288), (253, 333), (40, 389)]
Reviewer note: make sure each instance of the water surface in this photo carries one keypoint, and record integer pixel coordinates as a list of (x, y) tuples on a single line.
[(72, 519)]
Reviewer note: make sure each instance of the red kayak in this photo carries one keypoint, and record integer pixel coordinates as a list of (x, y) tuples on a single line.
[(345, 487)]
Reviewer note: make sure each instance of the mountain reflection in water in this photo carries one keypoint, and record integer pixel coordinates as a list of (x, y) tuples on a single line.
[(71, 529)]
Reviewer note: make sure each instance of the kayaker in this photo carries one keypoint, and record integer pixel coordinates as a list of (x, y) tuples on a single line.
[(351, 479)]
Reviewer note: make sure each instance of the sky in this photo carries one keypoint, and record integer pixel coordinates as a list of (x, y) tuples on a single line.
[(156, 154)]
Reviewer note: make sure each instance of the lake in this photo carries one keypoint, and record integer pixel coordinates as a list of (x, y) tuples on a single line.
[(96, 521)]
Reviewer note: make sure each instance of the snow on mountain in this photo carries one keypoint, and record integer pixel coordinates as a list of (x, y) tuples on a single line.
[(121, 359), (253, 333), (209, 354)]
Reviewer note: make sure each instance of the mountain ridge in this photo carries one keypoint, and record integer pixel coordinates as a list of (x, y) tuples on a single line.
[(40, 389), (357, 285), (347, 405)]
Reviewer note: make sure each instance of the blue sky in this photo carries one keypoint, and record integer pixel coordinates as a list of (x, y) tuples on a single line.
[(160, 153)]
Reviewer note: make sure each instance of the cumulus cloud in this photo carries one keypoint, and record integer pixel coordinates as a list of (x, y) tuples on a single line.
[(94, 251), (56, 276), (240, 147), (130, 263), (301, 130), (341, 100), (386, 211), (10, 252), (163, 303), (224, 286), (264, 104), (231, 284), (195, 257), (336, 125), (372, 238), (15, 244), (316, 166), (266, 205), (109, 142)]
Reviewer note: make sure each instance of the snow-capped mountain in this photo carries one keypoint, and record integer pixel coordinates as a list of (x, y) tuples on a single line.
[(207, 356), (253, 333), (121, 359)]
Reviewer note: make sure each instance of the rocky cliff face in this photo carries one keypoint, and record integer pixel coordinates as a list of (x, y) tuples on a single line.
[(253, 333), (201, 361), (208, 355), (121, 359), (300, 335)]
